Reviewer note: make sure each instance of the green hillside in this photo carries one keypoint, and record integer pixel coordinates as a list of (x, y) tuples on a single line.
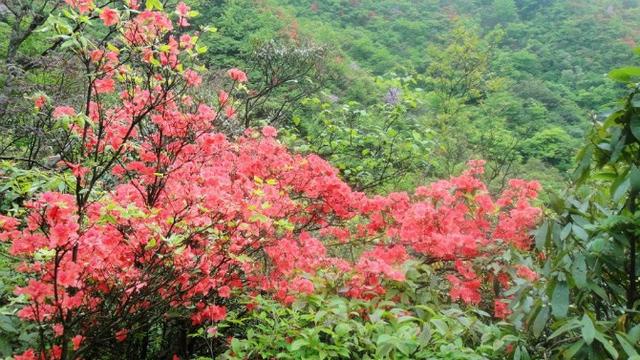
[(514, 82)]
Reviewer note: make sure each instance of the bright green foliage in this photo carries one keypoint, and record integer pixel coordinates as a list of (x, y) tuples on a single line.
[(376, 148), (458, 72), (457, 82), (19, 185), (407, 323), (332, 327), (239, 26), (583, 39), (431, 124), (544, 70), (552, 145)]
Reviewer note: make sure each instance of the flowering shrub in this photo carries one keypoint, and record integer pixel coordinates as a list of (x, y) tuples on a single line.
[(235, 217), (168, 219)]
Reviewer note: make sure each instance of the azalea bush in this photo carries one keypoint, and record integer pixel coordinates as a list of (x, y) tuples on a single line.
[(166, 225)]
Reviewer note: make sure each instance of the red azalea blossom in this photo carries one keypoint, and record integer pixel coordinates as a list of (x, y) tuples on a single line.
[(40, 101), (182, 9), (56, 352), (224, 291), (501, 309), (209, 313), (269, 131), (223, 97), (58, 329), (122, 334), (237, 75), (230, 111), (186, 41), (133, 4), (8, 223), (302, 285), (466, 291), (61, 111), (77, 340), (109, 16), (27, 355), (77, 169), (526, 273), (183, 12), (105, 85), (192, 78), (83, 6)]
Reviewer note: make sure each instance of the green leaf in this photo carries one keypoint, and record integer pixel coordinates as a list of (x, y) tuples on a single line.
[(153, 4), (571, 325), (540, 321), (342, 329), (7, 325), (566, 230), (236, 346), (620, 186), (584, 162), (201, 49), (579, 232), (517, 355), (607, 345), (560, 300), (599, 291), (635, 179), (384, 338), (5, 347), (406, 347), (627, 345), (634, 125), (579, 271), (384, 349), (298, 344), (425, 335), (440, 325), (319, 316), (573, 349), (625, 74), (588, 329), (541, 235), (634, 334)]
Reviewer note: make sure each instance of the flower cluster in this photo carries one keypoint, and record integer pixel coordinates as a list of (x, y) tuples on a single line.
[(228, 208)]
